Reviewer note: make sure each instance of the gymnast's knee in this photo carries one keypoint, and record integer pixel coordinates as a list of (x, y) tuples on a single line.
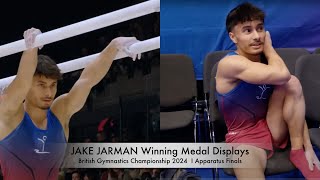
[(293, 87)]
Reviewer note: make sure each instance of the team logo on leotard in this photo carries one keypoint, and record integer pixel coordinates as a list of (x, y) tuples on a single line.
[(263, 89), (43, 141)]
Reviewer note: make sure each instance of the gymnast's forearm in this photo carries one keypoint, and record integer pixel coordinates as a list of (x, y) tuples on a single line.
[(27, 66), (20, 86), (98, 68), (23, 80), (274, 60)]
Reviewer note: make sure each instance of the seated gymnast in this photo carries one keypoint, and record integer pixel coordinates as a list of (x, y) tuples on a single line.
[(33, 123), (262, 103)]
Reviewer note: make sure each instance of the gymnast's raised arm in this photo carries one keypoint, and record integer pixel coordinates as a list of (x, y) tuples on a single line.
[(13, 96), (68, 104)]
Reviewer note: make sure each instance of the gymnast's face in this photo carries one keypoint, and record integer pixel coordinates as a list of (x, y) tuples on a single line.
[(42, 92), (249, 37)]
